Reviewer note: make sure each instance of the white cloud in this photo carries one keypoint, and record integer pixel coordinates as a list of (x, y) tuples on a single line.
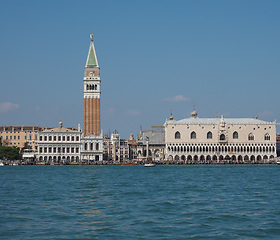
[(133, 113), (8, 106), (178, 98)]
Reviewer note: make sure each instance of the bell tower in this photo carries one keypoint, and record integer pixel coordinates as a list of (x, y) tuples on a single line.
[(92, 93)]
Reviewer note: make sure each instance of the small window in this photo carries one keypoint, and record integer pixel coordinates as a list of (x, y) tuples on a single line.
[(267, 137), (235, 135), (251, 137), (193, 135), (222, 137), (177, 135), (209, 135)]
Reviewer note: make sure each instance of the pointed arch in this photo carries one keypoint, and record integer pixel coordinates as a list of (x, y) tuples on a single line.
[(266, 137), (251, 137), (235, 135), (209, 135), (193, 135), (222, 137), (177, 135)]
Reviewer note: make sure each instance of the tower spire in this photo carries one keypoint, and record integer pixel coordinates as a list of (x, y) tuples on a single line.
[(91, 58)]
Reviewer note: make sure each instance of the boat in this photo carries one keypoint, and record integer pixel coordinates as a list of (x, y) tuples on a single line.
[(149, 165), (1, 164)]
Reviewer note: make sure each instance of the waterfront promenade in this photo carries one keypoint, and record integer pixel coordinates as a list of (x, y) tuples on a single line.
[(136, 162)]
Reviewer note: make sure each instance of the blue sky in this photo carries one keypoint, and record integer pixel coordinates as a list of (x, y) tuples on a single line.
[(222, 56)]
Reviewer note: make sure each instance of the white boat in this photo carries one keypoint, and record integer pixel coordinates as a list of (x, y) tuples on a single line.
[(149, 165), (1, 164)]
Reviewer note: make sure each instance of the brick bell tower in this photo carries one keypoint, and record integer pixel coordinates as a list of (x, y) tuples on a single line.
[(92, 93)]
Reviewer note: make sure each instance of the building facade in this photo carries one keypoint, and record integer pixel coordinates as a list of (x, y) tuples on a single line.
[(210, 140), (116, 150), (19, 136), (151, 144), (59, 145), (92, 148)]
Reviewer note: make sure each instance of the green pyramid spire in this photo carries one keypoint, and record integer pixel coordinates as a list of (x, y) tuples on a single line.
[(91, 59)]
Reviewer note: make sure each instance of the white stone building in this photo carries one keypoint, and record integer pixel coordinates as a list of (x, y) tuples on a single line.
[(210, 140), (92, 148), (59, 145)]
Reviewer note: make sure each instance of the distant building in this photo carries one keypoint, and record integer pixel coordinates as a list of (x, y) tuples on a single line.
[(92, 139), (19, 136), (222, 139), (115, 148), (151, 144), (92, 93), (132, 146), (92, 148), (278, 144), (59, 145)]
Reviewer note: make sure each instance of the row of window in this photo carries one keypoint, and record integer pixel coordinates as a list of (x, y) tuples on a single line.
[(220, 157), (59, 138), (89, 146), (58, 150), (45, 158), (222, 136), (220, 149), (91, 87), (17, 132), (17, 137)]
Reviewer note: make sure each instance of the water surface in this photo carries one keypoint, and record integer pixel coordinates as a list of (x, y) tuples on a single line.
[(133, 202)]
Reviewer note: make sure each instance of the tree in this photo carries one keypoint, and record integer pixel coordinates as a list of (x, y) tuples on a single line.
[(9, 153)]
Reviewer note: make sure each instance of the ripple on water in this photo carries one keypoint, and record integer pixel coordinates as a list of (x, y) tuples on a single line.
[(133, 202)]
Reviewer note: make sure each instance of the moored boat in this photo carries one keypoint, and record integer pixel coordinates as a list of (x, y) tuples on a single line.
[(149, 165)]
